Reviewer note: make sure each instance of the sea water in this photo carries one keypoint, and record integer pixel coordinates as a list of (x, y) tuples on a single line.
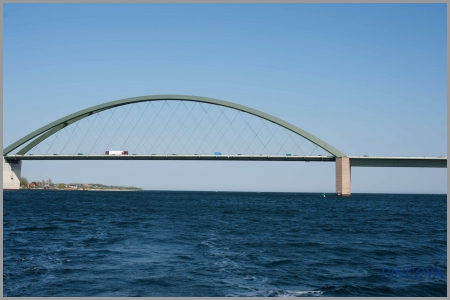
[(150, 243)]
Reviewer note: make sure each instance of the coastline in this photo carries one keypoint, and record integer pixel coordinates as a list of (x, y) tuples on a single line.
[(69, 190)]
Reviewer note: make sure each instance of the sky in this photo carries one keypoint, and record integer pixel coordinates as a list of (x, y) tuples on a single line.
[(368, 79)]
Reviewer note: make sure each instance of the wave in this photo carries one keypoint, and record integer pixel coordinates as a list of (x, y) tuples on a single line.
[(276, 293), (33, 228)]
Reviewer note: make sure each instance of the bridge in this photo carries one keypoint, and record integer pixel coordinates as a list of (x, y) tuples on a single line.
[(179, 127)]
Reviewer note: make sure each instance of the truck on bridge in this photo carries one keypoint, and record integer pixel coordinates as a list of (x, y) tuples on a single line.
[(120, 152)]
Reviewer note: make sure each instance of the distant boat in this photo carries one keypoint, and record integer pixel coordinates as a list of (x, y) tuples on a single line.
[(323, 195)]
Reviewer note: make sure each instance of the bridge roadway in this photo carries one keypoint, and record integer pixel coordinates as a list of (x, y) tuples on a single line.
[(355, 161)]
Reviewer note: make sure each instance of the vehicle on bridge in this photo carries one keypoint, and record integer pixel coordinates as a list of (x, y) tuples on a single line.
[(120, 152)]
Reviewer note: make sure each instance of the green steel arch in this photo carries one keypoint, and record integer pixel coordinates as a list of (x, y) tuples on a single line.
[(59, 124)]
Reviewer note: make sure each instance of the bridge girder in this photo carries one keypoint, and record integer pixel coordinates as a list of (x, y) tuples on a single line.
[(53, 127)]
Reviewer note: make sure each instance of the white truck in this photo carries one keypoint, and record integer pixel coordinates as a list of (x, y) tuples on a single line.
[(120, 152)]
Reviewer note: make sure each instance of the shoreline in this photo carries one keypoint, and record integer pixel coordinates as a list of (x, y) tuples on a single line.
[(70, 190)]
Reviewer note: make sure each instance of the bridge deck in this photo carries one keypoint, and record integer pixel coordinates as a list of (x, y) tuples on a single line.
[(392, 161), (172, 157), (355, 161)]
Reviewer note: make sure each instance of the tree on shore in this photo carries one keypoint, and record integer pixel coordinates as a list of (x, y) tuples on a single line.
[(37, 184), (23, 181)]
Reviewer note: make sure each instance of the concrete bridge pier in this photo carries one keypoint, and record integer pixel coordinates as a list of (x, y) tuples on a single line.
[(343, 176), (11, 174)]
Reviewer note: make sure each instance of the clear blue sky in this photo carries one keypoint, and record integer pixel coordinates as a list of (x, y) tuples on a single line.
[(369, 79)]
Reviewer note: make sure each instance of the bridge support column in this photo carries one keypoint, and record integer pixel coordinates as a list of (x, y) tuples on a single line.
[(343, 176), (11, 174)]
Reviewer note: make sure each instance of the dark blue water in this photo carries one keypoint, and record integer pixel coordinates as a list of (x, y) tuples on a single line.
[(80, 243)]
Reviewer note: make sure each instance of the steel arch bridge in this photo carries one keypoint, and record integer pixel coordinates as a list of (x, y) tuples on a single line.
[(196, 128), (48, 130)]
